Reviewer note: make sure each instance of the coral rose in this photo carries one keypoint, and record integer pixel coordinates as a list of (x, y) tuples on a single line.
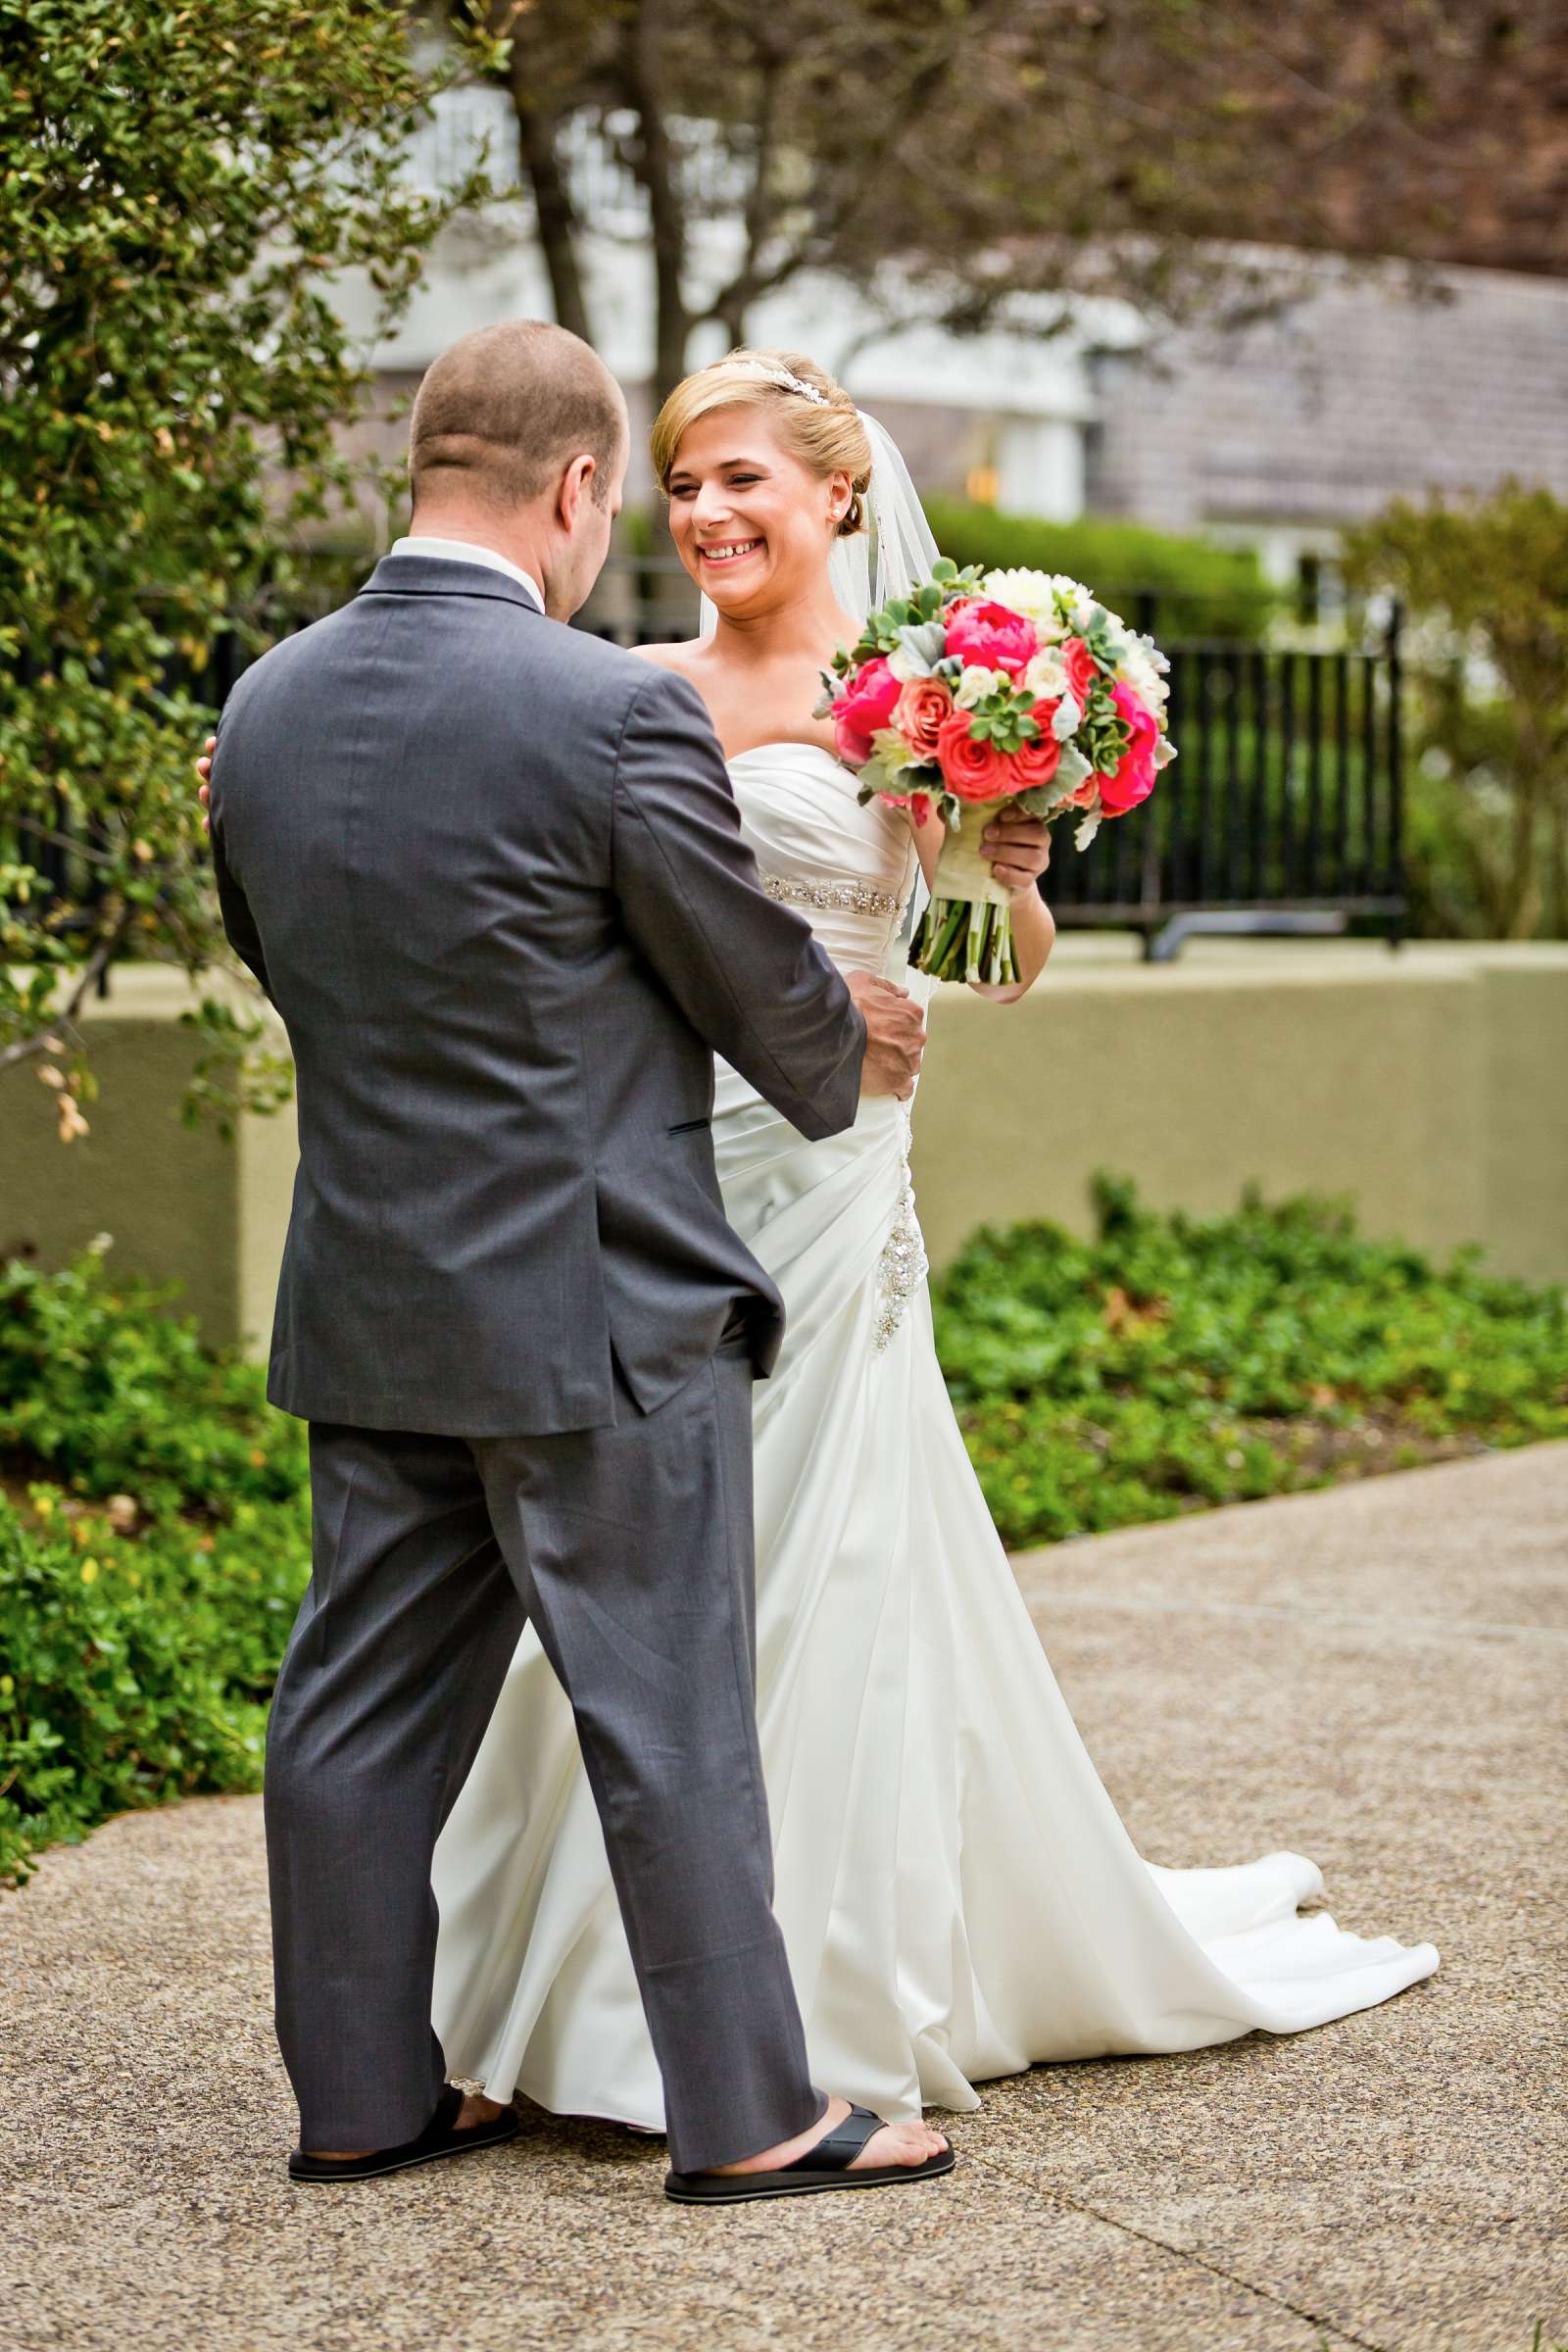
[(1082, 670), (1133, 780), (867, 705), (1035, 762), (919, 713), (988, 635), (971, 765)]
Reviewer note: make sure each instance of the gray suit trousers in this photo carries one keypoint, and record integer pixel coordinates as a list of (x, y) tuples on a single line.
[(630, 1550)]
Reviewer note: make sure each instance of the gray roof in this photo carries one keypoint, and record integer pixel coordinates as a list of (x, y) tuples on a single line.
[(1364, 390)]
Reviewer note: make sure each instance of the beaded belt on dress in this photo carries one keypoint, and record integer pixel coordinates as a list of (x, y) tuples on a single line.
[(902, 1266), (848, 898)]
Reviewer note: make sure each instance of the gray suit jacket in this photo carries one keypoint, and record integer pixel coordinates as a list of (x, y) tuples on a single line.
[(490, 871)]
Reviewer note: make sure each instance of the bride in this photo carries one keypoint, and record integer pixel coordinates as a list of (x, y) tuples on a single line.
[(956, 1892)]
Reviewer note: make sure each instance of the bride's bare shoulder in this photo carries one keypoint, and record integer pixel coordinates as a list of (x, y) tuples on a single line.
[(681, 656)]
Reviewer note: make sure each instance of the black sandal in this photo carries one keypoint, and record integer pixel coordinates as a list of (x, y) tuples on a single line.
[(440, 2137), (825, 2166)]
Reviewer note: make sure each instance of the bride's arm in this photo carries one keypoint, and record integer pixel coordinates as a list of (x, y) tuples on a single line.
[(1020, 852)]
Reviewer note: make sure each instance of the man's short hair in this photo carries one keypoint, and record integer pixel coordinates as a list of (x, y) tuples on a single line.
[(507, 407)]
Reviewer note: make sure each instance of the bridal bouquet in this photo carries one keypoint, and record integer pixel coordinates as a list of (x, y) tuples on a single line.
[(981, 691)]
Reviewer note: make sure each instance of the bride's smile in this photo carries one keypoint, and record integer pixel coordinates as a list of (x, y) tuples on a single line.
[(750, 523), (730, 551)]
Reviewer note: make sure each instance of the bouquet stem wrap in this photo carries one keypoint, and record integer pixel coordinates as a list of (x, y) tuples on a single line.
[(966, 931)]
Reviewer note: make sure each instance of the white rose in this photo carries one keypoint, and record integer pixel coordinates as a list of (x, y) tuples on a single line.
[(1137, 667), (1047, 675), (975, 684), (1043, 597), (1025, 592)]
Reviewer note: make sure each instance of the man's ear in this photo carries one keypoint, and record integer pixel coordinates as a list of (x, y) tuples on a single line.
[(575, 485)]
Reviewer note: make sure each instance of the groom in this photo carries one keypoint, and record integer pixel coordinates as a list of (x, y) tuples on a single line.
[(490, 871)]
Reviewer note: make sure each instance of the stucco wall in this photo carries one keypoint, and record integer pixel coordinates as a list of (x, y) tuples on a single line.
[(170, 1197), (1431, 1085)]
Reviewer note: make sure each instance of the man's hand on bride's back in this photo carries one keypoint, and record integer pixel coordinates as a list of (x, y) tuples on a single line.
[(895, 1036)]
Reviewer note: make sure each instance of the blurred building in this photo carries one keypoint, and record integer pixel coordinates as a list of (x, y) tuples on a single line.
[(1374, 383)]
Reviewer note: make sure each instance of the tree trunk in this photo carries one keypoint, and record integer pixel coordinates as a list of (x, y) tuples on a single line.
[(1524, 886), (1557, 904), (539, 152), (656, 167), (673, 332)]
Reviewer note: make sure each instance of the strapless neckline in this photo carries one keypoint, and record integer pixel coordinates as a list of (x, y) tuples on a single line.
[(785, 744)]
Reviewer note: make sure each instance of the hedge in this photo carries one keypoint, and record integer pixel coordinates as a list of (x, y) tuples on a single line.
[(1204, 590), (154, 1524)]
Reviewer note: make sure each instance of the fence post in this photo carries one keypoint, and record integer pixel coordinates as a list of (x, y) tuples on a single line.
[(1395, 757)]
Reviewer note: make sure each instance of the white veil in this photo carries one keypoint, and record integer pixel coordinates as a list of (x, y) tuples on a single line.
[(900, 551), (896, 552)]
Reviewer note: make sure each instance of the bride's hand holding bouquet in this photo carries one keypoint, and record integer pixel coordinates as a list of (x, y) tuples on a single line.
[(980, 693)]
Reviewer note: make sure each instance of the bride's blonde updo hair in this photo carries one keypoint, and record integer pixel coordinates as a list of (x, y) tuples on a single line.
[(809, 409)]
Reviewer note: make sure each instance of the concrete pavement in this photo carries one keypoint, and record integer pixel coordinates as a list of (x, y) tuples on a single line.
[(1374, 1676)]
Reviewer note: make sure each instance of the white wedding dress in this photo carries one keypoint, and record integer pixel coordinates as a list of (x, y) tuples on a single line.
[(956, 1892)]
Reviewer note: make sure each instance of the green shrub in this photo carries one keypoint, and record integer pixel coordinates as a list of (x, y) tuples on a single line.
[(1486, 581), (151, 1558), (1175, 1361), (176, 382), (133, 1667), (1204, 590), (113, 1397)]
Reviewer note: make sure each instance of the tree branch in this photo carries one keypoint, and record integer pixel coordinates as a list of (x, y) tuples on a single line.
[(925, 80), (23, 1048)]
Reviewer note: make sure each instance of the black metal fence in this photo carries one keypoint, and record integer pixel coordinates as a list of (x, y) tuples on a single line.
[(1283, 811), (1286, 795)]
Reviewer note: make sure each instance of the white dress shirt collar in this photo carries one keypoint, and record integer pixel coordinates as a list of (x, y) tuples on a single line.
[(465, 551)]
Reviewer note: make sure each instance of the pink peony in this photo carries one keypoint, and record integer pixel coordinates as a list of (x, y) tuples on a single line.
[(1082, 670), (1133, 780), (919, 713), (972, 764), (867, 705), (1035, 762), (990, 636)]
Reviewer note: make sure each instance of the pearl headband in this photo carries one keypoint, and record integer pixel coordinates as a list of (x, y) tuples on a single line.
[(782, 377)]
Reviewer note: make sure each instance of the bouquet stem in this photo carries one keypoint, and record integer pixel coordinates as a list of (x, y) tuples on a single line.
[(966, 931), (964, 939)]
